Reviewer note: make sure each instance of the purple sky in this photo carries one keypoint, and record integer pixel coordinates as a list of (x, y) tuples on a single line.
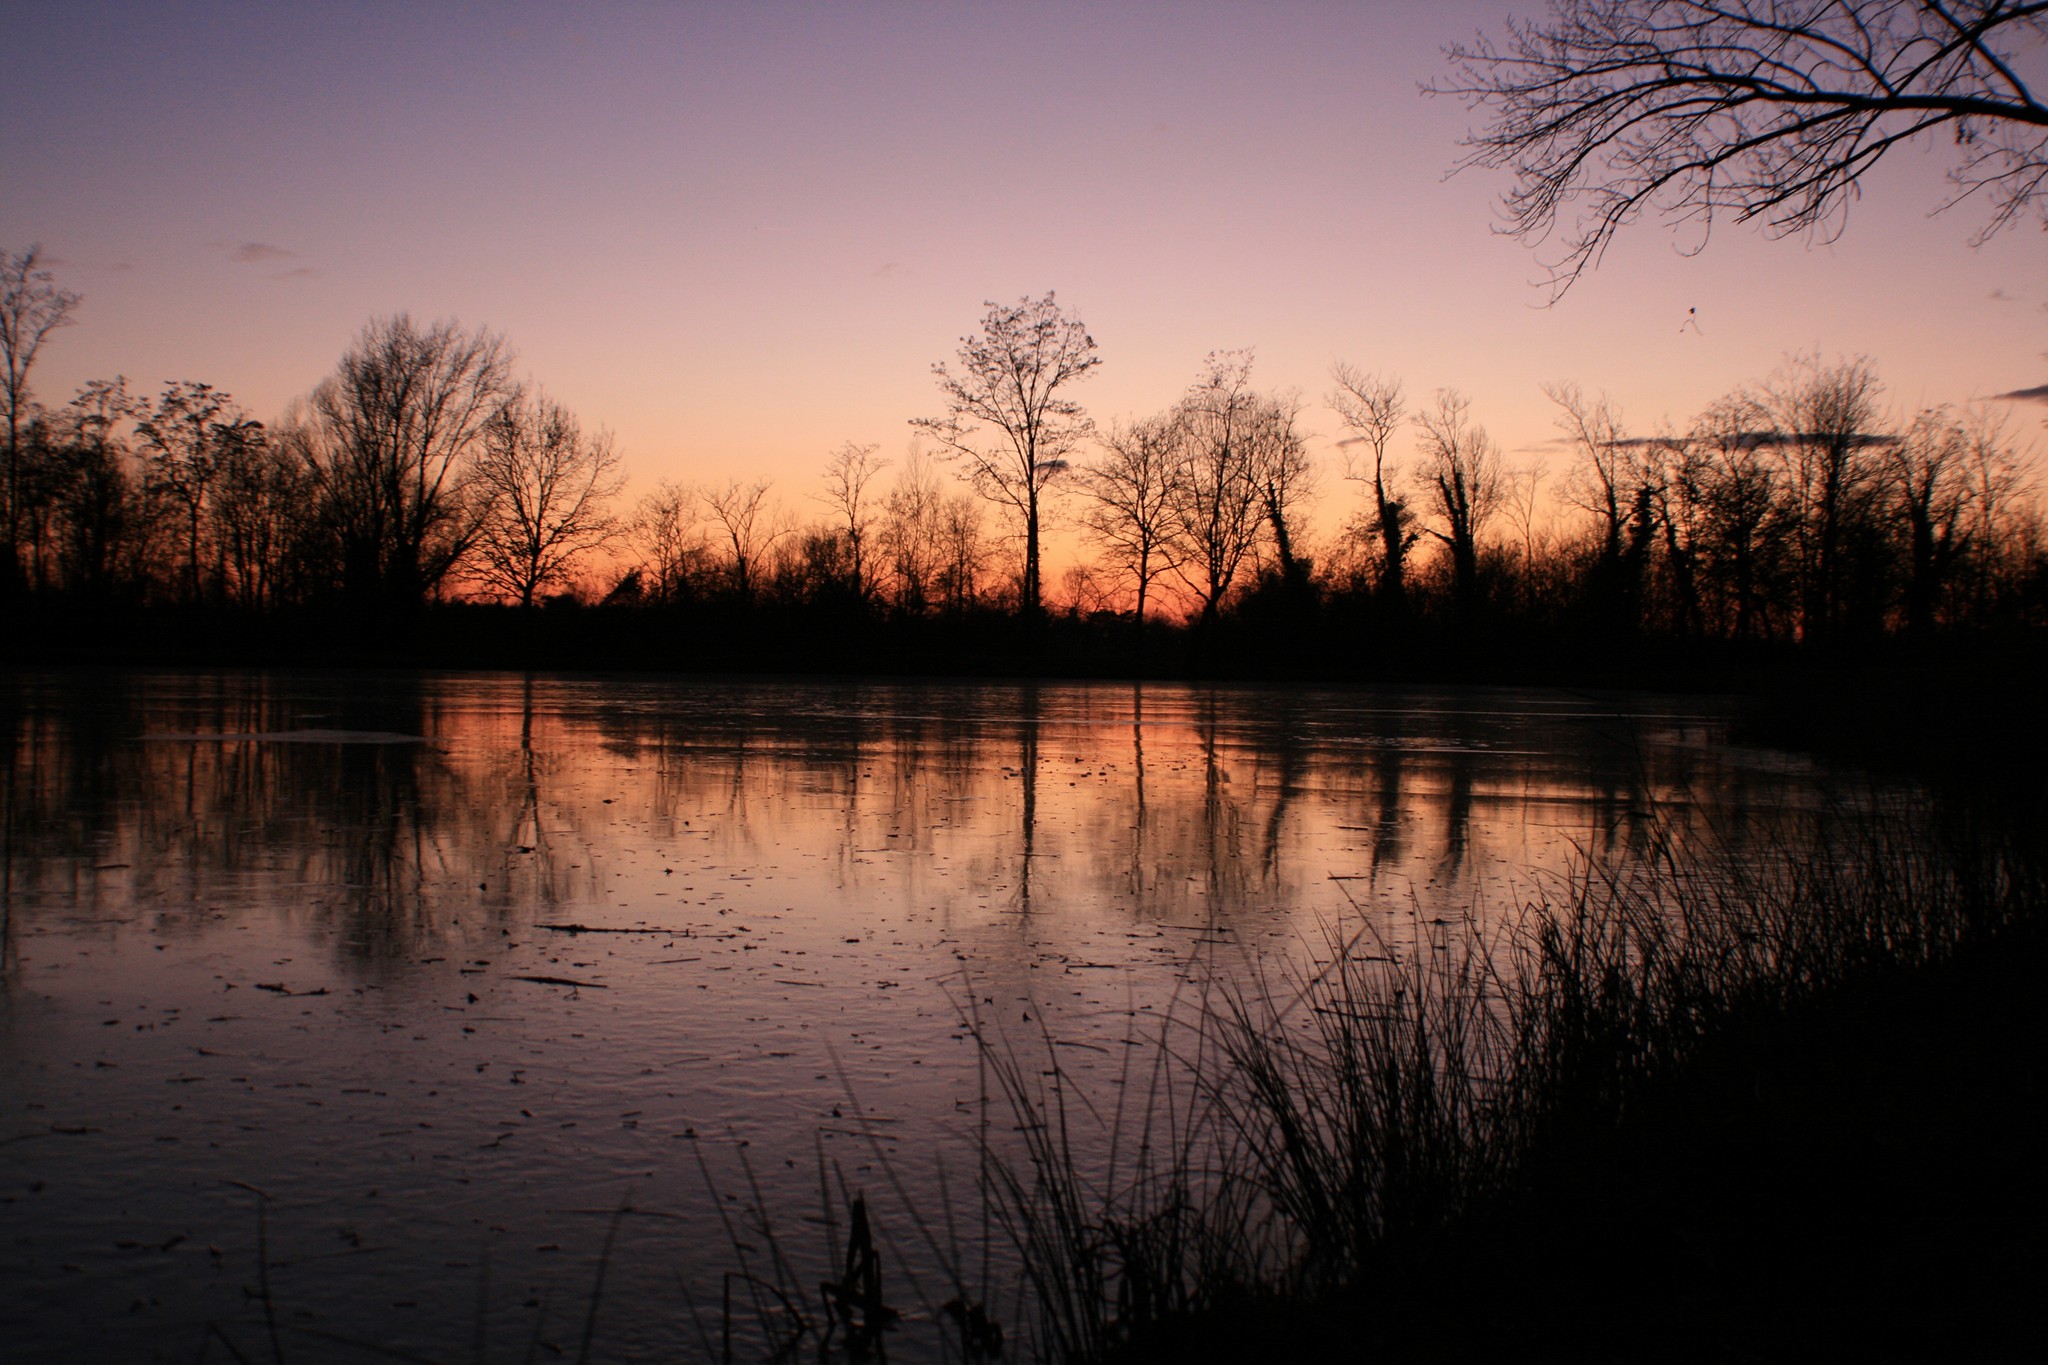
[(739, 235)]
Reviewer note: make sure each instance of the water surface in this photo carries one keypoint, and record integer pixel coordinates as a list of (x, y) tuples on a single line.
[(304, 984)]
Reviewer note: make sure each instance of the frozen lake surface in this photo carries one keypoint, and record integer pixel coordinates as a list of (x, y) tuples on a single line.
[(387, 991)]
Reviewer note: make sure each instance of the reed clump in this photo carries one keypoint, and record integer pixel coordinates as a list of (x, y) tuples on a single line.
[(1612, 1116)]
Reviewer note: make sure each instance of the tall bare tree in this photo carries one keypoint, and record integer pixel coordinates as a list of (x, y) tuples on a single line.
[(188, 439), (1234, 441), (741, 511), (1463, 483), (1928, 470), (1601, 481), (1611, 480), (2004, 532), (848, 472), (1129, 512), (963, 553), (1769, 110), (1286, 476), (1823, 426), (912, 523), (93, 492), (664, 529), (397, 424), (1372, 407), (1008, 418), (545, 487), (1727, 488), (1521, 506), (263, 498), (31, 307)]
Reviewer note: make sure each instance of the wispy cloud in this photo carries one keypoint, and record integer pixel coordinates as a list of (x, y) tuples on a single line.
[(2037, 394), (1660, 442), (887, 269), (304, 272), (2000, 296), (256, 253)]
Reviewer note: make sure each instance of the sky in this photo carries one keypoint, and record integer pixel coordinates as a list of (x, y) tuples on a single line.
[(738, 235)]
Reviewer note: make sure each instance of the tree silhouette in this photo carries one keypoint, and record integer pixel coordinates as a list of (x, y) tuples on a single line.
[(1218, 507), (1928, 470), (263, 511), (1733, 512), (848, 472), (546, 486), (1610, 480), (1287, 483), (664, 529), (397, 423), (1008, 419), (1130, 509), (189, 439), (1822, 427), (31, 307), (1371, 406), (1462, 479), (912, 522), (1771, 110), (751, 529), (92, 493)]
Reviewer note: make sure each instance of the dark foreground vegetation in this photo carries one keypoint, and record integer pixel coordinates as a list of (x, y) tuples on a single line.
[(1770, 1107)]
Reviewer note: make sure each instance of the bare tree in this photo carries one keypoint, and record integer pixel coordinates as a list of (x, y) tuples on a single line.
[(1520, 503), (1727, 491), (1232, 436), (911, 527), (812, 565), (1997, 485), (664, 529), (92, 493), (1928, 469), (1771, 110), (741, 511), (1611, 480), (1085, 591), (1822, 427), (1372, 407), (1129, 512), (188, 440), (1462, 480), (1601, 480), (31, 307), (38, 472), (263, 493), (964, 553), (1286, 477), (848, 472), (1008, 419), (398, 422), (545, 487)]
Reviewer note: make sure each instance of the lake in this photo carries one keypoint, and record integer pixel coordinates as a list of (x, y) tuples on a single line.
[(354, 1007)]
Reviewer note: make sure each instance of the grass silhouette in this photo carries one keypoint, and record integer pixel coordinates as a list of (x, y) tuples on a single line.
[(1594, 1131)]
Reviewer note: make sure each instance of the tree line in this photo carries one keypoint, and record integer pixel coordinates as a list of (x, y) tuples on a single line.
[(1794, 510), (419, 462)]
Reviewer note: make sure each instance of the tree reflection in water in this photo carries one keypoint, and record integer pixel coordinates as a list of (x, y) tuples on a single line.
[(383, 809), (797, 880)]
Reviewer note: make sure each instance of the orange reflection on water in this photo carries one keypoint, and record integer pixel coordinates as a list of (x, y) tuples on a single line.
[(494, 946)]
